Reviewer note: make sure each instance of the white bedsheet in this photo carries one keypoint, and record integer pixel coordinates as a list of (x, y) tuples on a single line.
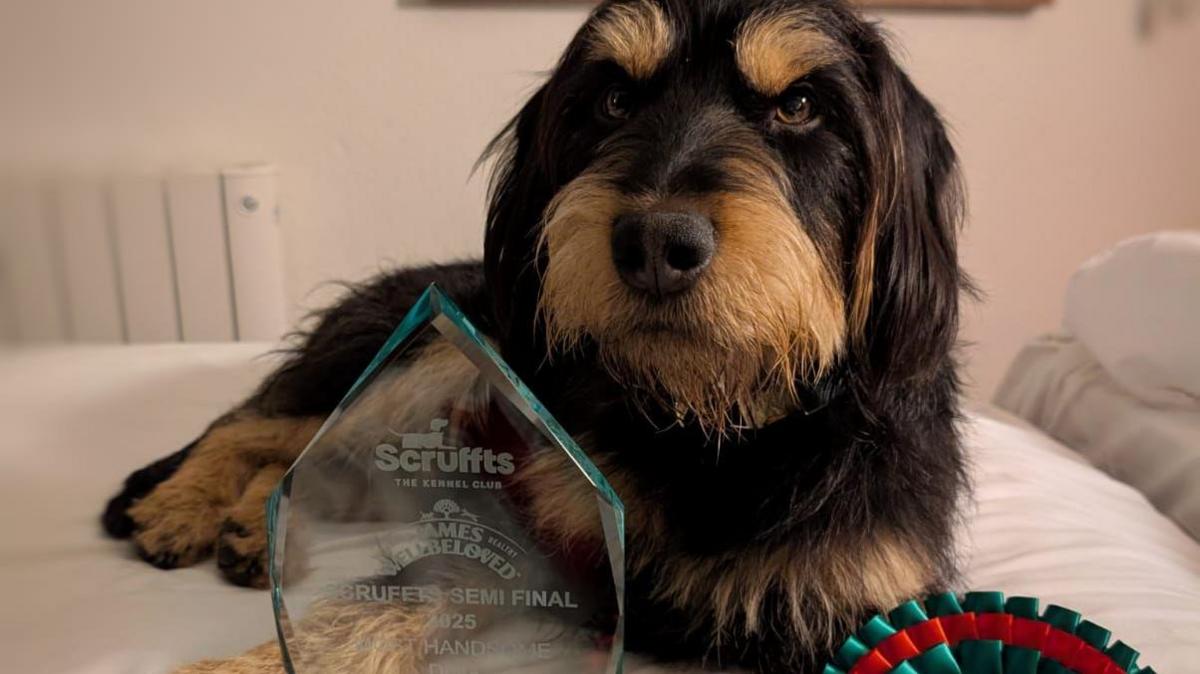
[(76, 420), (1060, 387)]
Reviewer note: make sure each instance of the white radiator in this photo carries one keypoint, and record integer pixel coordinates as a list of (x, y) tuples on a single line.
[(189, 257)]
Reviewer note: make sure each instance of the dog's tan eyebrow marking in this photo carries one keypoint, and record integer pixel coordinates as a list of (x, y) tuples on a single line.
[(774, 49), (636, 36)]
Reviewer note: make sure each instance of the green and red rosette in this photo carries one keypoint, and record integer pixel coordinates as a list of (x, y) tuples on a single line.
[(983, 634)]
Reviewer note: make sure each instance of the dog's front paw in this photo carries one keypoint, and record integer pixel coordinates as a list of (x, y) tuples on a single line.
[(175, 526), (242, 552), (242, 545)]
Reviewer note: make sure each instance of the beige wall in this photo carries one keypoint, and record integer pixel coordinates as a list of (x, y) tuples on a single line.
[(1075, 131)]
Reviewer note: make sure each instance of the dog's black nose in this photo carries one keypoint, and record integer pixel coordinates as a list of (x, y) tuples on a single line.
[(662, 253)]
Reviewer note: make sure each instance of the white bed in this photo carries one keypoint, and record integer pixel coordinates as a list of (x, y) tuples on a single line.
[(1058, 385), (76, 420)]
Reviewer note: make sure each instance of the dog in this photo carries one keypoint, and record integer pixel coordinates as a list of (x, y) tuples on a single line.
[(721, 248)]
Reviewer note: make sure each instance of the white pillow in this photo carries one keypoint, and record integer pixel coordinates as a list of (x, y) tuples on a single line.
[(1137, 310)]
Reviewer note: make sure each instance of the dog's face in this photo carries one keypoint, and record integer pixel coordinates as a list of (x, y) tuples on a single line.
[(703, 189)]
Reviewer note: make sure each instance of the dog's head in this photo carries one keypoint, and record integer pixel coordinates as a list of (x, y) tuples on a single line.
[(724, 202)]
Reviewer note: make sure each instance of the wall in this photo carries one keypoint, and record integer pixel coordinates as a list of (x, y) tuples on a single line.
[(1075, 131)]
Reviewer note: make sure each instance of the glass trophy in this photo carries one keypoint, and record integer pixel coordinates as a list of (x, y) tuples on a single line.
[(410, 536)]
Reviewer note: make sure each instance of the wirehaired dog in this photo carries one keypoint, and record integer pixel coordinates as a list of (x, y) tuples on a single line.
[(721, 247)]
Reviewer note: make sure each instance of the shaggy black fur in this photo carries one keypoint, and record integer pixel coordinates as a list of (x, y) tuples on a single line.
[(875, 448)]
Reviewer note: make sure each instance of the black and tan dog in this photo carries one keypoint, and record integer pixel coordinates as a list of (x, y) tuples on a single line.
[(721, 247)]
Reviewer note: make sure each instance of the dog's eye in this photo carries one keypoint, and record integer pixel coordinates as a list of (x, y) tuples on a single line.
[(617, 103), (797, 106)]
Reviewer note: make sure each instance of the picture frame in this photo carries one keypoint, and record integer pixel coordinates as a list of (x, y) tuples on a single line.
[(985, 5)]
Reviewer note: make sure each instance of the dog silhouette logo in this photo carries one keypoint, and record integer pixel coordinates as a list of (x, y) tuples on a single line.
[(435, 439)]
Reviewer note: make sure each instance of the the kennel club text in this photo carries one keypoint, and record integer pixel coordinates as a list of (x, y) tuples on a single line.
[(459, 596)]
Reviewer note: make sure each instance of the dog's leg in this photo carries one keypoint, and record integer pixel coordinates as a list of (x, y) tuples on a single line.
[(179, 522)]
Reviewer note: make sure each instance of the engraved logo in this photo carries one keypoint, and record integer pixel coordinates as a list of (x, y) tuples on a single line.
[(451, 530), (428, 452)]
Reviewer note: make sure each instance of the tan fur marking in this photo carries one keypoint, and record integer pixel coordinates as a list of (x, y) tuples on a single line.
[(635, 35), (867, 575), (776, 48), (563, 505), (577, 228), (760, 231), (863, 286), (559, 507), (889, 175)]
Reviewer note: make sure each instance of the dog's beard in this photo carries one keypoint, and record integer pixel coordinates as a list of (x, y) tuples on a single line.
[(721, 389), (766, 314)]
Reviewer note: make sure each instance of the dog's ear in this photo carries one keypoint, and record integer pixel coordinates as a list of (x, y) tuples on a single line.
[(519, 190), (525, 176), (905, 279)]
